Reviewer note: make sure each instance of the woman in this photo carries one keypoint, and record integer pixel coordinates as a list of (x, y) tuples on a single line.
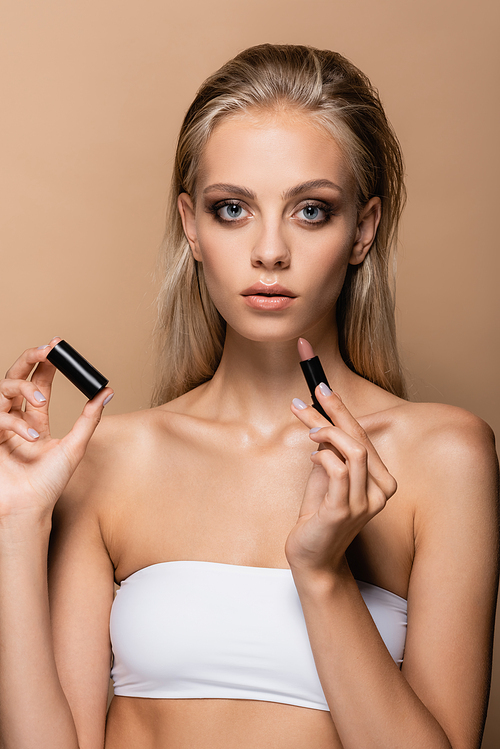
[(262, 603)]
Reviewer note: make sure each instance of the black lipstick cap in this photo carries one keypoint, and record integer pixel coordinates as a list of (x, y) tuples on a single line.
[(315, 375), (77, 369)]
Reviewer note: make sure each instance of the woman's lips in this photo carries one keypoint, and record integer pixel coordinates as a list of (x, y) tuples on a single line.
[(268, 296), (268, 302)]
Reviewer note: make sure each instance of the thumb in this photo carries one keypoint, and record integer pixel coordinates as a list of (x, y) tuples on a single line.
[(76, 441)]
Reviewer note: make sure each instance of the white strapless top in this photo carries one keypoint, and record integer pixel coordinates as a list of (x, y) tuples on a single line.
[(190, 630)]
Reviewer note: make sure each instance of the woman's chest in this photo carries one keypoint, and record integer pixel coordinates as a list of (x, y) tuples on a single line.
[(237, 505)]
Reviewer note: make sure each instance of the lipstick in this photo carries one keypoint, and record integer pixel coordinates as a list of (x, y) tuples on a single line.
[(77, 369), (313, 372)]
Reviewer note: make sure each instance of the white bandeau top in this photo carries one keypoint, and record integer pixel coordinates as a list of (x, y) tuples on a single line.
[(190, 630)]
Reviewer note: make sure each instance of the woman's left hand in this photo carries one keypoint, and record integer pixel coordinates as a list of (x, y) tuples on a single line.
[(348, 485)]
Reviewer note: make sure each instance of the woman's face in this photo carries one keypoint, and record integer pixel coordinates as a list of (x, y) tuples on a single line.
[(275, 224)]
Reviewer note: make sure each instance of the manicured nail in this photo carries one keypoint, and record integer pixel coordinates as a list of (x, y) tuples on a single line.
[(39, 396), (324, 389), (46, 346), (33, 433), (106, 400), (315, 452), (314, 429), (299, 404)]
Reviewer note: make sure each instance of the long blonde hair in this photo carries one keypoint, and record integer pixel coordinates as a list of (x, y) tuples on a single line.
[(189, 331)]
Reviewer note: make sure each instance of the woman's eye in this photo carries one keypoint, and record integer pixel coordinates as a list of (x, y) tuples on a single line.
[(313, 214), (231, 211)]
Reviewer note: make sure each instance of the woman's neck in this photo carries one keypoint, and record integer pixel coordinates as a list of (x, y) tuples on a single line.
[(256, 381)]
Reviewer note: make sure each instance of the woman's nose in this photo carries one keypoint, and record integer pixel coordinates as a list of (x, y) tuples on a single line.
[(271, 249)]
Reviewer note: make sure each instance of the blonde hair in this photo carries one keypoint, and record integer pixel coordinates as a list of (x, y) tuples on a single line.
[(190, 332)]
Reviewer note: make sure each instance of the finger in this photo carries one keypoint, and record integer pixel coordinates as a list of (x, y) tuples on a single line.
[(353, 454), (23, 366), (357, 456), (377, 496), (315, 491), (347, 424), (42, 378), (336, 499), (341, 502), (12, 395), (11, 390), (335, 407), (308, 415), (10, 423), (342, 417), (76, 441), (356, 453)]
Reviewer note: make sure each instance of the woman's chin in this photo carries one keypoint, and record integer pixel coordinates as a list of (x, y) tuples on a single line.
[(271, 335)]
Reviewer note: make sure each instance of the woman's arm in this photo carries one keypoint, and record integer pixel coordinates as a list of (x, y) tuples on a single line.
[(38, 707), (439, 697), (34, 711), (34, 469), (454, 581), (371, 703), (81, 591)]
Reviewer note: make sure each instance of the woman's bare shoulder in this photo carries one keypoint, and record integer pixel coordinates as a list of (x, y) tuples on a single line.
[(121, 451), (430, 443), (443, 456), (425, 424), (438, 426)]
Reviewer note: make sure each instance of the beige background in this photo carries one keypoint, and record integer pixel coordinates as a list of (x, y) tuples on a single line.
[(92, 97)]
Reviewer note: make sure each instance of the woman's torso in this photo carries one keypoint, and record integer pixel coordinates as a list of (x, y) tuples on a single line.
[(196, 490)]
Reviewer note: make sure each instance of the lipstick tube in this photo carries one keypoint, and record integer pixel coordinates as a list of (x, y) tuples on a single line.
[(315, 374), (77, 369)]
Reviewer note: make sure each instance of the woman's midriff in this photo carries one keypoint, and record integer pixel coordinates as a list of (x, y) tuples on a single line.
[(139, 723)]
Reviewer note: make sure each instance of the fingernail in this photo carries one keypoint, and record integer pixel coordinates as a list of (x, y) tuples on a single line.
[(299, 404), (46, 346), (315, 452), (106, 400), (314, 429), (39, 396), (324, 389), (33, 433)]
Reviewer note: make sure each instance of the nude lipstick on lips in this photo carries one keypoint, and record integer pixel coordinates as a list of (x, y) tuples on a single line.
[(268, 297), (313, 372)]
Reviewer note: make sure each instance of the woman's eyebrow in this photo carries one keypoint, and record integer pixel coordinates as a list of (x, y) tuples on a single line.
[(224, 187), (311, 185), (291, 193)]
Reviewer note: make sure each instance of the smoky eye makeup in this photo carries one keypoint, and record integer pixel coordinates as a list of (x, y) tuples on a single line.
[(227, 211), (310, 213), (315, 212)]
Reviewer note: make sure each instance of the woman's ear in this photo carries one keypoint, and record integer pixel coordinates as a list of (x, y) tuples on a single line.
[(368, 221), (187, 213)]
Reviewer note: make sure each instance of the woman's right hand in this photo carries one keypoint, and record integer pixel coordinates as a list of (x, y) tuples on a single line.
[(34, 467)]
